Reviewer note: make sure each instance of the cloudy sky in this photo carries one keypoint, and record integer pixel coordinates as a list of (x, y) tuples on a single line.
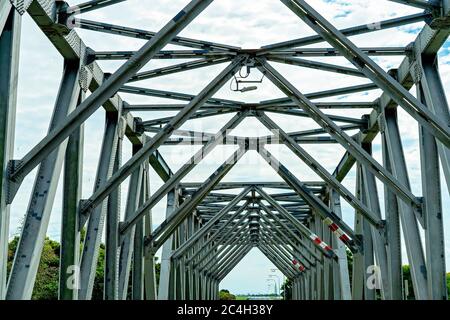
[(248, 24)]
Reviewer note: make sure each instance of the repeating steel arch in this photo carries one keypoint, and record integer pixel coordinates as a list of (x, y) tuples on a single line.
[(211, 225)]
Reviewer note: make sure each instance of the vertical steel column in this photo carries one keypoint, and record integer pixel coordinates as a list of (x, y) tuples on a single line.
[(341, 266), (431, 186), (328, 283), (320, 269), (69, 272), (165, 289), (187, 270), (9, 65), (127, 242), (393, 236), (111, 284), (408, 219), (29, 249), (149, 258), (138, 250), (108, 88), (368, 251), (378, 236), (95, 225), (359, 272), (434, 98)]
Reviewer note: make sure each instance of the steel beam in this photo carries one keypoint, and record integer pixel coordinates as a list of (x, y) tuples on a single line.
[(347, 142), (148, 35), (127, 241), (112, 251), (166, 279), (408, 219), (28, 253), (320, 170), (199, 234), (162, 233), (94, 230), (352, 31), (10, 29), (431, 190), (69, 277), (159, 138), (400, 95), (90, 6), (182, 172), (308, 196), (108, 88)]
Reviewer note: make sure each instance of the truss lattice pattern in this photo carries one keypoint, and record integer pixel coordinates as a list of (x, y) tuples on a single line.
[(211, 225)]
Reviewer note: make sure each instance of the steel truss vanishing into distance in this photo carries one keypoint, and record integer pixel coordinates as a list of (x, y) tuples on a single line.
[(211, 225)]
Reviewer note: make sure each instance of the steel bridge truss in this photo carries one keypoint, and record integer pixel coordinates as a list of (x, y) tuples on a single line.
[(211, 225)]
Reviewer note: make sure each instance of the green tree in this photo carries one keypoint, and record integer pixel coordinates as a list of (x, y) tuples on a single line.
[(226, 295)]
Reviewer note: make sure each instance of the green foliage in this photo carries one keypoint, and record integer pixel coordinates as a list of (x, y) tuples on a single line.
[(46, 285), (448, 286), (226, 295)]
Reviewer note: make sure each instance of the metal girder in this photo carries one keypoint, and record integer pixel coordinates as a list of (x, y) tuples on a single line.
[(297, 224), (235, 260), (165, 276), (197, 115), (338, 40), (320, 170), (308, 196), (352, 31), (178, 68), (163, 54), (90, 6), (161, 233), (182, 172), (199, 234), (408, 216), (431, 182), (316, 65), (332, 52), (283, 238), (209, 231), (433, 95), (341, 266), (112, 251), (214, 253), (324, 94), (289, 253), (346, 141), (70, 221), (421, 4), (159, 138), (127, 241), (108, 88), (310, 185), (427, 43), (148, 35), (176, 95), (96, 219), (10, 28)]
